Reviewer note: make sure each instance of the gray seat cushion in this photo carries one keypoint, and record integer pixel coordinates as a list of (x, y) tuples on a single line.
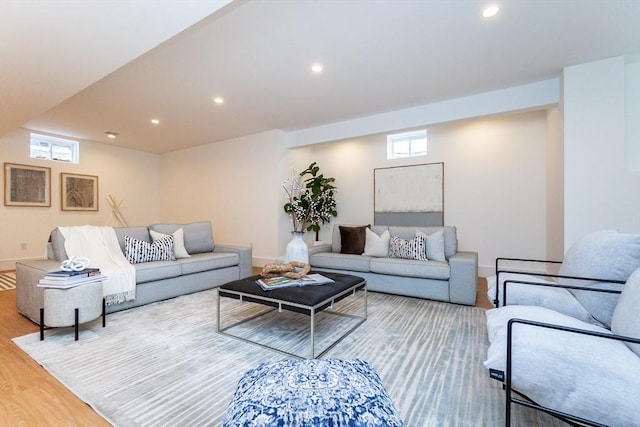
[(340, 261), (411, 268), (208, 261), (156, 270)]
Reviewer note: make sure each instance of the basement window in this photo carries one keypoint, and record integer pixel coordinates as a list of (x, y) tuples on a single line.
[(45, 147), (407, 144)]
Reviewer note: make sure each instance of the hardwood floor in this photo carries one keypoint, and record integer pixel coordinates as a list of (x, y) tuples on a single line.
[(29, 396)]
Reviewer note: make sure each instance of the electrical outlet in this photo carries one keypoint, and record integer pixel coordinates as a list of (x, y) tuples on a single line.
[(23, 246)]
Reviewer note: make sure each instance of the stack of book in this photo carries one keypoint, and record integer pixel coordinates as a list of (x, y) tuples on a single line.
[(63, 279), (286, 282)]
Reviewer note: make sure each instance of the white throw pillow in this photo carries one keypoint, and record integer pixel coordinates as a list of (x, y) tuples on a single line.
[(376, 246), (435, 245), (178, 242), (626, 317)]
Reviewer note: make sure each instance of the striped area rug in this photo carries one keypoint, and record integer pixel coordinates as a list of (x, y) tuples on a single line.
[(164, 363), (7, 281)]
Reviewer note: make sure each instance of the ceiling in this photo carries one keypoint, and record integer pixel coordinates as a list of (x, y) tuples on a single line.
[(79, 69)]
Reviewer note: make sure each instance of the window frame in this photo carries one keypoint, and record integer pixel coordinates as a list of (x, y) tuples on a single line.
[(37, 141), (411, 136)]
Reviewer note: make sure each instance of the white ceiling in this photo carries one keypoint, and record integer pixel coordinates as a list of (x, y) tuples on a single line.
[(378, 56)]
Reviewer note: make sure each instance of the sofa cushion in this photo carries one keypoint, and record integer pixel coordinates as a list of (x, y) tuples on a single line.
[(414, 248), (156, 270), (178, 241), (140, 233), (137, 251), (198, 236), (434, 245), (626, 316), (602, 254), (376, 245), (411, 268), (208, 261), (578, 374), (340, 261), (449, 233), (352, 239)]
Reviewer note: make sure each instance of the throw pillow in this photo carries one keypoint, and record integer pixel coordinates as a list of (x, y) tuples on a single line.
[(604, 255), (434, 245), (376, 246), (137, 251), (408, 249), (352, 239), (626, 316), (178, 242)]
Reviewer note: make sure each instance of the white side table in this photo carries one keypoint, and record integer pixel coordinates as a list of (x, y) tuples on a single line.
[(72, 306)]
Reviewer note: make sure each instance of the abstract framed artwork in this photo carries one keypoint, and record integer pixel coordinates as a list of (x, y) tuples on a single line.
[(78, 192), (26, 185), (409, 195)]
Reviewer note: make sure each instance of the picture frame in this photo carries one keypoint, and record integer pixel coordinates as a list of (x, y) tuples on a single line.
[(78, 192), (27, 185)]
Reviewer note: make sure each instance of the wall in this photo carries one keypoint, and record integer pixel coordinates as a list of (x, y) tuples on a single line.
[(130, 176), (495, 181), (601, 191)]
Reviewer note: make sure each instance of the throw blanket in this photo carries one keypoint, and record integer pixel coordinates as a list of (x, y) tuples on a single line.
[(100, 245)]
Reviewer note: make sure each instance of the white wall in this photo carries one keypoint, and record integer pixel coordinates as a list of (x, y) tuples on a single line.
[(600, 190), (130, 176), (555, 186), (495, 181)]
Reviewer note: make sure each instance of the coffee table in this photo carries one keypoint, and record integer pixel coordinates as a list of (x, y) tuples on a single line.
[(309, 300)]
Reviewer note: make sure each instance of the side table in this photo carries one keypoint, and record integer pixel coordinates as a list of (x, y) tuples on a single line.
[(72, 306)]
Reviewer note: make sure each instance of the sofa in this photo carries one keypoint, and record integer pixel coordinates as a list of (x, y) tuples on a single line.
[(202, 265), (569, 343), (421, 262)]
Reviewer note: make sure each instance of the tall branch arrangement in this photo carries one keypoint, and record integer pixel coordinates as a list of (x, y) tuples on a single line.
[(311, 201)]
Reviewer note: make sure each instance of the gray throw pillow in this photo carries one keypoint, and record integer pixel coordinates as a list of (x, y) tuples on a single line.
[(626, 316), (198, 236)]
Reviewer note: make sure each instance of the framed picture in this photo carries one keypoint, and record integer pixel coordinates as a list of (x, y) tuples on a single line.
[(26, 185), (78, 192)]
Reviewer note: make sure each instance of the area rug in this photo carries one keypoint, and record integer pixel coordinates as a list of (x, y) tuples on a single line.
[(164, 363), (7, 281)]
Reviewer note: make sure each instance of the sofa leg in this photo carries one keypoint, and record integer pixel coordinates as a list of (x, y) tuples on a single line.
[(42, 324)]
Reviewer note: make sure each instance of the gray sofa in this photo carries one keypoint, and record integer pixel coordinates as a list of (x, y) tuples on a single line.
[(208, 266), (452, 280)]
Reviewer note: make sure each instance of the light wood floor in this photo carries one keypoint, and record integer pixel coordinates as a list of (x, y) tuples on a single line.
[(29, 396)]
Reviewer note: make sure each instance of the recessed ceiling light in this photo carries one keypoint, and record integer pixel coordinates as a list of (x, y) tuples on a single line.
[(490, 11), (218, 100), (110, 134), (316, 68), (155, 121)]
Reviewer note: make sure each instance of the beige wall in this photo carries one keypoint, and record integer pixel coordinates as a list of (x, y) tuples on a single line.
[(495, 181), (130, 176)]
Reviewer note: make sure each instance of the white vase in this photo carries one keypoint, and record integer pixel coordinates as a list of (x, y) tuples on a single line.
[(297, 249)]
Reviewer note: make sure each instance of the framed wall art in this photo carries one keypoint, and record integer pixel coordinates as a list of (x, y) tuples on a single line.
[(78, 192), (26, 185), (409, 195)]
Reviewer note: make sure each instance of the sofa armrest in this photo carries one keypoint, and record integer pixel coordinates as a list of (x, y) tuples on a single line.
[(29, 297), (245, 254), (463, 280), (325, 247)]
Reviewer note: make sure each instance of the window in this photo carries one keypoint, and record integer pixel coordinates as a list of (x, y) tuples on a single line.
[(51, 148), (408, 144)]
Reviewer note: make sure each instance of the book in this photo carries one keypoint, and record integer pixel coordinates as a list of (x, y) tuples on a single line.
[(64, 273), (82, 275), (60, 284), (286, 282)]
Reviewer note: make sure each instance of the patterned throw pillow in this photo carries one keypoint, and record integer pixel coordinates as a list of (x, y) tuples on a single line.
[(415, 248), (137, 251)]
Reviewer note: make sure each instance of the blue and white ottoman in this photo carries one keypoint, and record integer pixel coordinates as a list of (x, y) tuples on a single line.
[(316, 392)]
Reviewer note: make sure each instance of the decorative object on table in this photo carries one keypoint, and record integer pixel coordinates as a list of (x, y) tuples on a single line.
[(312, 393), (409, 195), (115, 210), (311, 203), (78, 192), (26, 185), (277, 282), (292, 270), (75, 264)]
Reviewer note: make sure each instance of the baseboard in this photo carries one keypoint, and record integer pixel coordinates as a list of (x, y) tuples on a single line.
[(10, 264)]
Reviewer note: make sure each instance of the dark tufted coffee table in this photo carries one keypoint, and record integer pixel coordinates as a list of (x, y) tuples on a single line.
[(308, 300)]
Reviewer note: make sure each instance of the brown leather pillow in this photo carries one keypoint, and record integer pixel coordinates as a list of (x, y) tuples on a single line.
[(352, 239)]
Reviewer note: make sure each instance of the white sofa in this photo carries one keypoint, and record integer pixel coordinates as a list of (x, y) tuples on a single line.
[(209, 265), (573, 352), (451, 278)]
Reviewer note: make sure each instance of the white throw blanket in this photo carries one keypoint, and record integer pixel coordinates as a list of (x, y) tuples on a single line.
[(100, 245)]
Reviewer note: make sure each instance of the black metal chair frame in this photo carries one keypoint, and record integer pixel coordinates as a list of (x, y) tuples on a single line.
[(569, 418)]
